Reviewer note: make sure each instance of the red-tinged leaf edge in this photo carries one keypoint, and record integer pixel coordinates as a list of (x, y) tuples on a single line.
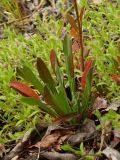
[(24, 90), (86, 71), (116, 78)]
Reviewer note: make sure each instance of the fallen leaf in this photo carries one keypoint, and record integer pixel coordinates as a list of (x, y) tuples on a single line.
[(113, 105), (15, 158), (100, 103), (79, 137), (86, 131), (97, 1), (24, 143), (54, 136), (116, 140), (48, 141), (111, 153), (60, 156)]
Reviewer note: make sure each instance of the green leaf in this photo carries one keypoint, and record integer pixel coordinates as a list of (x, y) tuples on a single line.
[(45, 75), (62, 100), (87, 92), (41, 105), (82, 149), (51, 100), (67, 49), (29, 76)]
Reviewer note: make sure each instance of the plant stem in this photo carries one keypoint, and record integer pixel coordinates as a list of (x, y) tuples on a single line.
[(80, 34)]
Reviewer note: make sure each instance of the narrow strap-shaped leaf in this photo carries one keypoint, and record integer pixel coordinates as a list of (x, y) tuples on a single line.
[(67, 49), (87, 92), (62, 101), (24, 89), (51, 100), (53, 59), (45, 74), (86, 71), (81, 14), (41, 105), (29, 76), (72, 22), (61, 98)]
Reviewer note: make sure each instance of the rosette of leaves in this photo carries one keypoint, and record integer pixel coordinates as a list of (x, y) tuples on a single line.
[(52, 97)]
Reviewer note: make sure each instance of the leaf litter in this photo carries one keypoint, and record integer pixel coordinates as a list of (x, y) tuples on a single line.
[(106, 139)]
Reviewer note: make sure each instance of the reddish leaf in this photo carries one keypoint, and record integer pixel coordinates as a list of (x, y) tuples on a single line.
[(74, 34), (86, 71), (75, 47), (45, 74), (53, 59), (81, 14), (24, 90), (72, 22), (116, 78)]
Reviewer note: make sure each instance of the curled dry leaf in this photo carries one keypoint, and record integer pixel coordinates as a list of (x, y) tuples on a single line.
[(55, 135), (48, 141), (111, 153), (116, 140)]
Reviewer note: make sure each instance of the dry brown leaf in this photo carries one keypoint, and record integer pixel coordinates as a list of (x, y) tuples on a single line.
[(116, 139), (61, 141), (54, 136), (111, 153), (48, 141), (97, 1), (60, 156), (114, 106), (100, 103), (25, 142)]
